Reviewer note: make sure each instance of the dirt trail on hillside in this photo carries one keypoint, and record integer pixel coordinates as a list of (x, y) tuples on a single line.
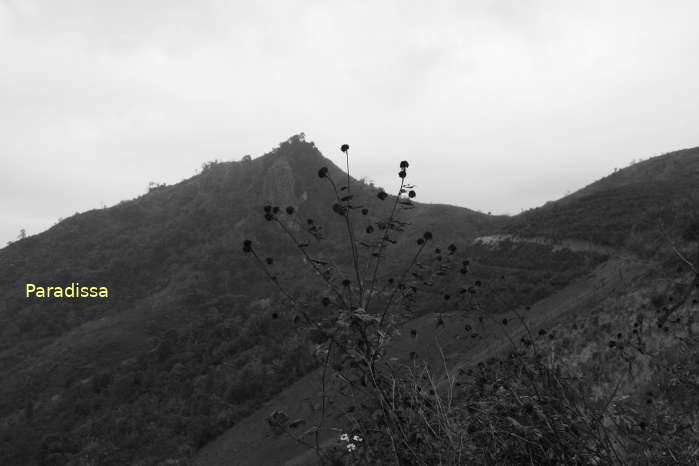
[(574, 245), (250, 442)]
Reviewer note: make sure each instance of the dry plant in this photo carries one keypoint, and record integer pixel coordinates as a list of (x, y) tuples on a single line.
[(520, 409)]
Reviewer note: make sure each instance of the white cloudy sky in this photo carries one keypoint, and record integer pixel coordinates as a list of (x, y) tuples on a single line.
[(499, 105)]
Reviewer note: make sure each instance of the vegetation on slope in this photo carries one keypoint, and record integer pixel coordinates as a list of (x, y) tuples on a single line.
[(183, 309), (636, 207), (185, 347), (530, 407)]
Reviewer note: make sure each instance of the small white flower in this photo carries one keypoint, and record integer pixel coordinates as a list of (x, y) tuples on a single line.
[(351, 447), (344, 437), (357, 438)]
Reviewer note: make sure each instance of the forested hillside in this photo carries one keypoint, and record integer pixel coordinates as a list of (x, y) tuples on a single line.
[(193, 338)]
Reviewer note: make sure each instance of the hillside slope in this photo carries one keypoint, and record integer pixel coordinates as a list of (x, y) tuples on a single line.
[(252, 442), (633, 207), (194, 339)]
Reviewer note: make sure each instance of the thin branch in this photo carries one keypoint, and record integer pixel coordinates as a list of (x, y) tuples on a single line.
[(382, 243), (310, 260)]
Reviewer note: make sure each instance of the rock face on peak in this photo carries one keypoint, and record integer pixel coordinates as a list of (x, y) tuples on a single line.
[(279, 184)]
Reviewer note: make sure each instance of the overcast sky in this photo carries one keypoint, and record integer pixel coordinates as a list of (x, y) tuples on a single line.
[(499, 105)]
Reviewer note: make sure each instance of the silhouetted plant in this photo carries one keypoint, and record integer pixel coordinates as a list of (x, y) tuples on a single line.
[(370, 305), (524, 408)]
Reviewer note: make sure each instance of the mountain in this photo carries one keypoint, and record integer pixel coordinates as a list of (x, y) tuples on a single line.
[(194, 342), (627, 208), (183, 300)]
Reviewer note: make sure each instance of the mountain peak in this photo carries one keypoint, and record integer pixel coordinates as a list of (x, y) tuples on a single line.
[(301, 155)]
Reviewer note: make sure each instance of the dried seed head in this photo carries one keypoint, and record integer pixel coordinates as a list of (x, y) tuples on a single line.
[(339, 209)]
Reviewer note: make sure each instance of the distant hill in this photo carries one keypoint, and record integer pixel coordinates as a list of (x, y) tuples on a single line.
[(625, 208)]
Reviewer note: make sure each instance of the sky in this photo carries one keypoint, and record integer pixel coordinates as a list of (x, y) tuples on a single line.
[(498, 105)]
